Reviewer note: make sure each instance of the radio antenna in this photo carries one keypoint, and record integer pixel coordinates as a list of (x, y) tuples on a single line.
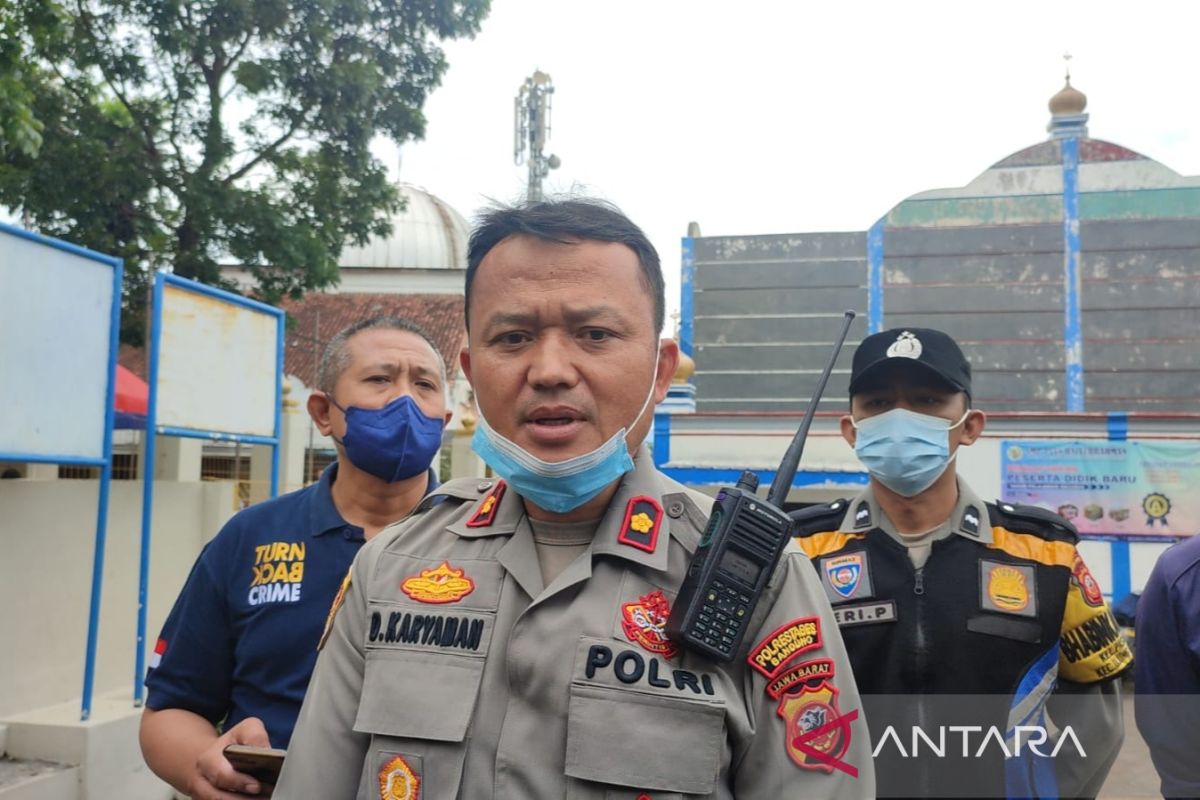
[(791, 459)]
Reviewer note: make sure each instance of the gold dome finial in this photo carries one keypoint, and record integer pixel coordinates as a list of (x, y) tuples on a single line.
[(1068, 100)]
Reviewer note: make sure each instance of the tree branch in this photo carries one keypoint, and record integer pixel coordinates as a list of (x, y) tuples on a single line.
[(269, 150)]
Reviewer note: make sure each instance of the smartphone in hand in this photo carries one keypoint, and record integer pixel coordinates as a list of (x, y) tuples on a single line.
[(260, 763)]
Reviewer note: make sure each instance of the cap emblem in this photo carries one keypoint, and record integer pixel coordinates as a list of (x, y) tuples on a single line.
[(907, 345)]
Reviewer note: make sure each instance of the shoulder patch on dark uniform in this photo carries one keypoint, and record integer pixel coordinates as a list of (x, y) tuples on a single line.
[(819, 518), (1020, 518)]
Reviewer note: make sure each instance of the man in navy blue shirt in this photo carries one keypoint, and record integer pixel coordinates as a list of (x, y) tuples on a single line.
[(1167, 668), (235, 654)]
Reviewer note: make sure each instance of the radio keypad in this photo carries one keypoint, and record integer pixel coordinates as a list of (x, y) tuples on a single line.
[(724, 607)]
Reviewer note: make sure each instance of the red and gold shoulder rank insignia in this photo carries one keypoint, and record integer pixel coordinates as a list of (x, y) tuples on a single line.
[(485, 515), (442, 584), (338, 599), (645, 623), (643, 517), (397, 781)]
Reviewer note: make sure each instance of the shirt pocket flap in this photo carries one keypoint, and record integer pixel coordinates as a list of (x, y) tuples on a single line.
[(418, 695), (644, 740), (1023, 630)]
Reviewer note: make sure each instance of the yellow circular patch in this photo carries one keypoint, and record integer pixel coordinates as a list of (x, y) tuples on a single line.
[(1006, 587)]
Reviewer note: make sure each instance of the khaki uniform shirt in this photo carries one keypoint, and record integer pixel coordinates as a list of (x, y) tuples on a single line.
[(450, 671)]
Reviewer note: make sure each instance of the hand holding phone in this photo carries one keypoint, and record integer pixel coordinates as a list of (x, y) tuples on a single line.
[(261, 763)]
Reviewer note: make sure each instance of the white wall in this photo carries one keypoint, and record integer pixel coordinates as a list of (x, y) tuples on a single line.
[(47, 535)]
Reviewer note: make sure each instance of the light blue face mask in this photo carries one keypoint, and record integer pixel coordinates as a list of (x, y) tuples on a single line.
[(557, 486), (904, 450)]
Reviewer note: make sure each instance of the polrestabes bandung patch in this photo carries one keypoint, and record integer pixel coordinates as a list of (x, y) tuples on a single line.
[(485, 515), (1007, 588), (847, 576), (865, 613), (644, 622), (643, 518), (442, 584), (784, 644), (398, 780)]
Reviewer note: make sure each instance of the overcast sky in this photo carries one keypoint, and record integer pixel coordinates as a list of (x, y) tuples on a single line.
[(776, 117)]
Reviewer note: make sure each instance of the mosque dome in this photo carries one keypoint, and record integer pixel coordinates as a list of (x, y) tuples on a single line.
[(1068, 100), (426, 234)]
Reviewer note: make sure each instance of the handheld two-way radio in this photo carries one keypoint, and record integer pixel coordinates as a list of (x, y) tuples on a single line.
[(738, 552)]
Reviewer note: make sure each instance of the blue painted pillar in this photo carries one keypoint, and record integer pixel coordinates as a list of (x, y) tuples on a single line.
[(875, 278), (1072, 322)]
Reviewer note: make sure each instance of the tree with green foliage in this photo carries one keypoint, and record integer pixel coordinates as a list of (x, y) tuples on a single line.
[(192, 134)]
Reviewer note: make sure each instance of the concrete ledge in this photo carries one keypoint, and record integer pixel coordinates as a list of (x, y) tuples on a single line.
[(38, 780), (105, 748)]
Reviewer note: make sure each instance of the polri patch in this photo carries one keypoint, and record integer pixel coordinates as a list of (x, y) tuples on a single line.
[(644, 622), (338, 599), (442, 584), (485, 515), (817, 734), (865, 613), (784, 644), (643, 518), (1007, 588), (398, 781), (847, 576), (1081, 576)]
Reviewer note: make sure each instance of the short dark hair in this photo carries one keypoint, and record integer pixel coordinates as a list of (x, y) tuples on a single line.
[(565, 222), (336, 357)]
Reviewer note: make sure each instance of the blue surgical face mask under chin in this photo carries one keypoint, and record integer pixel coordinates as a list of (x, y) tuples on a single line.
[(904, 450), (557, 486)]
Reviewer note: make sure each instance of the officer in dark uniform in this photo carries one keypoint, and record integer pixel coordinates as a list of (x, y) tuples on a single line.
[(960, 612)]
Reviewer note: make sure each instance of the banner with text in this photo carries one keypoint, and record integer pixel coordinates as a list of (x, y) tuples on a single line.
[(1123, 488)]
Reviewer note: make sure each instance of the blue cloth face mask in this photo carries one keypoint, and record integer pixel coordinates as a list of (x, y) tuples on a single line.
[(557, 486), (904, 450), (392, 443)]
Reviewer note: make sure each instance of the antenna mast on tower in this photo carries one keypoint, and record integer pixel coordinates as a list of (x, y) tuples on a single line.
[(531, 130)]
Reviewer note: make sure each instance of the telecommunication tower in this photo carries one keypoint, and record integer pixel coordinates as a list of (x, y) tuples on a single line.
[(531, 130)]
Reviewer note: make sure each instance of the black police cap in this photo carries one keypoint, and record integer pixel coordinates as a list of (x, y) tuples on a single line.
[(933, 350)]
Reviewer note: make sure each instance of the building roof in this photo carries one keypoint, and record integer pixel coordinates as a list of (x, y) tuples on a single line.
[(426, 234), (440, 315)]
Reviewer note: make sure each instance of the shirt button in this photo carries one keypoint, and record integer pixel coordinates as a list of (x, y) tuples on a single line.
[(483, 486), (675, 510)]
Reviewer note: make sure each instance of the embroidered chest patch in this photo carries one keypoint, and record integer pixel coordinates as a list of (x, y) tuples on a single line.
[(846, 576), (397, 781), (644, 622), (442, 584), (1007, 588)]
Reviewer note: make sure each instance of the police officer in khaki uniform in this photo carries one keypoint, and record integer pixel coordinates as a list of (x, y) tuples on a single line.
[(956, 612), (507, 639)]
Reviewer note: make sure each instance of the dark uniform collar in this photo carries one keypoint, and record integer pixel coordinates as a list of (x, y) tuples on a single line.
[(968, 519), (323, 514)]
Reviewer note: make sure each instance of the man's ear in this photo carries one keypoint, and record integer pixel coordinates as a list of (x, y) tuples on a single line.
[(464, 361), (849, 432), (668, 361), (319, 409), (972, 427)]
